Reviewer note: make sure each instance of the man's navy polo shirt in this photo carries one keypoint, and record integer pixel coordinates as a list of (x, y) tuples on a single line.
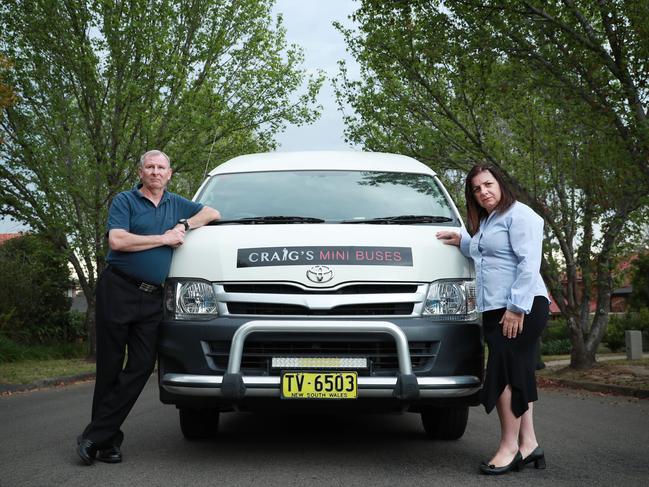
[(133, 212)]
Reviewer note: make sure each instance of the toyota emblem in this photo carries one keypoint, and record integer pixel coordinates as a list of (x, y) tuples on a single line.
[(320, 273)]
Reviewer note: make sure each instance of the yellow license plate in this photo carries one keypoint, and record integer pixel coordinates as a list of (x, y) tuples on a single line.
[(319, 385)]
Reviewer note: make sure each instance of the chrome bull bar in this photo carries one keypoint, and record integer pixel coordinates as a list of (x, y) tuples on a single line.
[(233, 385), (239, 338)]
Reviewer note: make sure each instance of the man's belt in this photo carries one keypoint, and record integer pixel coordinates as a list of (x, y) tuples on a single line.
[(141, 285)]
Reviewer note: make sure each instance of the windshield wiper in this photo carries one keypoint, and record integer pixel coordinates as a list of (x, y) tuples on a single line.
[(404, 219), (254, 220)]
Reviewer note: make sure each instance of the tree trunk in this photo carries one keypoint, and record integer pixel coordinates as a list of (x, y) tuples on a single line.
[(88, 284), (581, 357)]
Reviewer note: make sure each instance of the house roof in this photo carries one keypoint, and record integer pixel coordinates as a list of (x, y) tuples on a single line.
[(8, 236), (623, 270)]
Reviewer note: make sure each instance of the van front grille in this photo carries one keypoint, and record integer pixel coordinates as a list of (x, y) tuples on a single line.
[(347, 299)]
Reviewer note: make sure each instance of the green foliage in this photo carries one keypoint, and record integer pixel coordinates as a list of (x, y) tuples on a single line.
[(614, 336), (98, 83), (35, 279), (535, 88), (556, 329), (618, 324), (556, 347), (640, 282), (11, 351), (555, 338), (76, 329)]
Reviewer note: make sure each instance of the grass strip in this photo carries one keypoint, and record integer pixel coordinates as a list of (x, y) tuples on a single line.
[(27, 371)]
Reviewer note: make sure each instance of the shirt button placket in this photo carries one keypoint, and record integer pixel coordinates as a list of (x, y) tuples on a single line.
[(479, 273)]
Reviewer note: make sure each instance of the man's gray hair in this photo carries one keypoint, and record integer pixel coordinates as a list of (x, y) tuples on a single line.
[(152, 153)]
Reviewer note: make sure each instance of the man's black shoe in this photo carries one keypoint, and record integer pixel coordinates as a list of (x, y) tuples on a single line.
[(87, 450), (110, 455)]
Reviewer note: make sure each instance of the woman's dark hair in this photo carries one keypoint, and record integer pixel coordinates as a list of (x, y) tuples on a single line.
[(474, 211)]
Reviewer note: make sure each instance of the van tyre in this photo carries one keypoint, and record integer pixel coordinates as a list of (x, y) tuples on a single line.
[(198, 424), (445, 423)]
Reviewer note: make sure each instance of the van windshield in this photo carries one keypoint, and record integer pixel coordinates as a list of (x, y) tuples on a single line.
[(328, 196)]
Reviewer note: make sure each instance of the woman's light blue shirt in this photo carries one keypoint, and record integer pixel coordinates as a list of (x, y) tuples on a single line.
[(507, 254)]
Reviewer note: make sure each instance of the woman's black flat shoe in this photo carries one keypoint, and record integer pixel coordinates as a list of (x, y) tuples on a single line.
[(493, 470), (537, 456)]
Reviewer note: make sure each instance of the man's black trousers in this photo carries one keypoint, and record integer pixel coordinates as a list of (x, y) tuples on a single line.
[(127, 318)]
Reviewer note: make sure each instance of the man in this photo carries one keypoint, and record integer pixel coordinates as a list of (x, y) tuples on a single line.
[(144, 226)]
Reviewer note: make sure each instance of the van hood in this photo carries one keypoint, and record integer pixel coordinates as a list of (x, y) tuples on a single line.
[(320, 255)]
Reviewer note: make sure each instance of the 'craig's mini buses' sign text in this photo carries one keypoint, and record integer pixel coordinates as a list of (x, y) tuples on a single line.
[(274, 256)]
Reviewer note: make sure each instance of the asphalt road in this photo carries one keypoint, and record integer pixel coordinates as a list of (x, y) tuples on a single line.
[(589, 440)]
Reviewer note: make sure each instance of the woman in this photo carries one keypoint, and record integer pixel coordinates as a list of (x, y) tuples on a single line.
[(505, 239)]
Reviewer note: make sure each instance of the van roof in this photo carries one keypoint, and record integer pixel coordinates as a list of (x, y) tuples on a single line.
[(323, 160)]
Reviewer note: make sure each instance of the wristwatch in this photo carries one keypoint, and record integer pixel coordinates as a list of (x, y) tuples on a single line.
[(184, 222)]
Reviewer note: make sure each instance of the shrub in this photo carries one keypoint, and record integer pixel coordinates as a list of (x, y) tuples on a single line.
[(11, 351), (614, 338), (614, 335), (34, 281), (76, 325), (561, 346), (557, 329), (639, 320)]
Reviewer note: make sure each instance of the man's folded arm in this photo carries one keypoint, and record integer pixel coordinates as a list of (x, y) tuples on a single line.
[(122, 241)]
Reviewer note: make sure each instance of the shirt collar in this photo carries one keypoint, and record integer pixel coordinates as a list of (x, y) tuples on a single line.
[(138, 186)]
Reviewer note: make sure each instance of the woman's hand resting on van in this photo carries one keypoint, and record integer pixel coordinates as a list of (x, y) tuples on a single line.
[(449, 238)]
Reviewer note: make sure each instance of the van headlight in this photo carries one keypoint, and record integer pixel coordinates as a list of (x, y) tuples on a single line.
[(190, 300), (452, 300)]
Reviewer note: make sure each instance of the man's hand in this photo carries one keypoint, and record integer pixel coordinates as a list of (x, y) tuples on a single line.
[(512, 323), (174, 237)]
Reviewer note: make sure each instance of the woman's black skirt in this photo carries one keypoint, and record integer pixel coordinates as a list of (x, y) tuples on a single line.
[(512, 361)]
